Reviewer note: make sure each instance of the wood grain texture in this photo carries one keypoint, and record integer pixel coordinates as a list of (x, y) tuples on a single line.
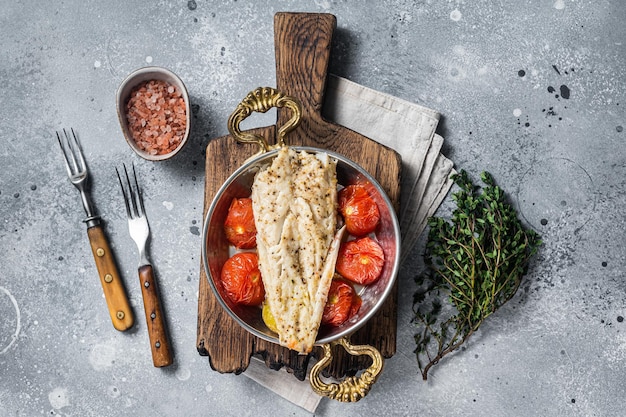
[(157, 331), (302, 42), (112, 284)]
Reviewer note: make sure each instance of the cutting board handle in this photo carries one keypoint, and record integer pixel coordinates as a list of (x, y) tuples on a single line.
[(303, 43)]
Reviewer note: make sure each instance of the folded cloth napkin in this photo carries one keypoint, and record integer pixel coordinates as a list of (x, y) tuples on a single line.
[(284, 384), (409, 129)]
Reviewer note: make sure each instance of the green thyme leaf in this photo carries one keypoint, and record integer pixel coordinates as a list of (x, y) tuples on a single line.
[(477, 261)]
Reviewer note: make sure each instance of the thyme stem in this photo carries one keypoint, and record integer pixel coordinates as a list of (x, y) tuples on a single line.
[(477, 261)]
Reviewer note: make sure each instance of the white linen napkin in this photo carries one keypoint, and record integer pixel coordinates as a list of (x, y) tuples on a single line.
[(284, 384), (409, 129)]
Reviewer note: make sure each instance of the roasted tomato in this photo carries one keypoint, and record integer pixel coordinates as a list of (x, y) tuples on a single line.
[(241, 279), (358, 209), (343, 302), (356, 305), (360, 260), (239, 224)]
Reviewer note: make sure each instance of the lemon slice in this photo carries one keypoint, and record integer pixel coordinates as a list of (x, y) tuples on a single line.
[(268, 318)]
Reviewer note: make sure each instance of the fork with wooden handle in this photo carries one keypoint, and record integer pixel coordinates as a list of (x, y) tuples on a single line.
[(112, 284), (140, 233)]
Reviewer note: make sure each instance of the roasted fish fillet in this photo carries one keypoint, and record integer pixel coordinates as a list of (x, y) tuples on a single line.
[(294, 201)]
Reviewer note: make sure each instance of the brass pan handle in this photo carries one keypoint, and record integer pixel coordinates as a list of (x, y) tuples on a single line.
[(351, 389), (261, 100)]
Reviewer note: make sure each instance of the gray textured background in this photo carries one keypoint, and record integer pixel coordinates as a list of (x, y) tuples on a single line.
[(557, 349)]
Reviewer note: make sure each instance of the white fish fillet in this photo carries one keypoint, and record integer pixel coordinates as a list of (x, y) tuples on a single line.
[(294, 203)]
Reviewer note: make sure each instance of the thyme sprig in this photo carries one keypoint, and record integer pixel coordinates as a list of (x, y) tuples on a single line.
[(477, 261)]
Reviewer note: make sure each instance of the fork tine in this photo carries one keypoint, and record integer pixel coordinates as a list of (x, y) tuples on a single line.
[(72, 152), (135, 211), (65, 157), (139, 194), (128, 214), (70, 149), (76, 150)]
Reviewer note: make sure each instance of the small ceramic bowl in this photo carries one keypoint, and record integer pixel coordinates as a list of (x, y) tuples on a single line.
[(124, 91)]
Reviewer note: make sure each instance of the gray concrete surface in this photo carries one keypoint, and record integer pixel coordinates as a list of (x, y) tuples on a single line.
[(531, 91)]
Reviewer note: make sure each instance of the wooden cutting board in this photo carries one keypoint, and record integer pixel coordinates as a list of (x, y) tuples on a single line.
[(303, 43)]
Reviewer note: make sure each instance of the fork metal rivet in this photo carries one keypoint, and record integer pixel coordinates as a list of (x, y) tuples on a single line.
[(146, 284), (157, 344), (100, 252), (153, 316), (108, 278), (120, 315)]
